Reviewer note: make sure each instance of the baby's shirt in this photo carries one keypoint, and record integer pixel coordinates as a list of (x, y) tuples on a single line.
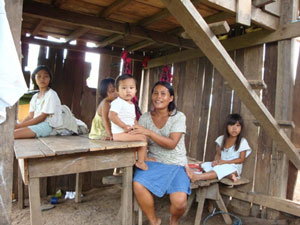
[(231, 153), (125, 111), (50, 104)]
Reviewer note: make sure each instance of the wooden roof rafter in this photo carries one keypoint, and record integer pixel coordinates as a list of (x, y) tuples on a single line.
[(42, 11), (38, 27), (117, 4), (197, 28), (77, 33)]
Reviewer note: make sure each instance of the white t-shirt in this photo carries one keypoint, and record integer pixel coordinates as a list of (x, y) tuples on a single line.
[(50, 104), (125, 111)]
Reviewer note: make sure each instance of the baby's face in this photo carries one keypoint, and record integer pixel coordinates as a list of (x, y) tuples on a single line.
[(127, 89)]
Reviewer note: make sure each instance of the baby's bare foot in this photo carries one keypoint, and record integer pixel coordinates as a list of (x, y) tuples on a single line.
[(141, 165)]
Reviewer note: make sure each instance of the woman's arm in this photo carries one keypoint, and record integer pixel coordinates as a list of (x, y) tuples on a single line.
[(105, 111), (32, 121), (165, 142)]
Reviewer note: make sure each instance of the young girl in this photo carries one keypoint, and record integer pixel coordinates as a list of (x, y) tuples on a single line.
[(45, 108), (101, 125), (232, 149), (122, 116)]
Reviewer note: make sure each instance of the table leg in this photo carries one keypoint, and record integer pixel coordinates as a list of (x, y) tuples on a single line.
[(127, 196), (190, 201), (78, 187), (20, 190), (35, 201), (201, 194), (223, 208)]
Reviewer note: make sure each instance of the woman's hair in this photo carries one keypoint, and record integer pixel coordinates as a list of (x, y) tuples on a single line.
[(104, 86), (38, 69), (124, 76), (231, 120), (171, 106)]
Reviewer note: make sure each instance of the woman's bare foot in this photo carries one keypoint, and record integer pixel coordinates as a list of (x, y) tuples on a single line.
[(156, 222), (233, 178), (141, 165), (190, 173)]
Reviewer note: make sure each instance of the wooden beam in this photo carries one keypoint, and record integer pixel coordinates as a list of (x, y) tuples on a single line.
[(99, 50), (117, 4), (273, 8), (272, 202), (258, 16), (57, 3), (257, 84), (288, 31), (43, 11), (151, 19), (139, 45), (284, 124), (243, 12), (185, 12), (38, 27), (261, 3), (109, 40), (77, 33)]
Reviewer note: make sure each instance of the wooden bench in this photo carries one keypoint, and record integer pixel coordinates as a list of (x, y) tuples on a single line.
[(60, 155)]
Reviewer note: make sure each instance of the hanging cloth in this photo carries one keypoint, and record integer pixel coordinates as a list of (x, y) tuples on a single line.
[(166, 74)]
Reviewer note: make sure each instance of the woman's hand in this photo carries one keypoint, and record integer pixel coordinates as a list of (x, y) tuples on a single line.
[(138, 129), (18, 125)]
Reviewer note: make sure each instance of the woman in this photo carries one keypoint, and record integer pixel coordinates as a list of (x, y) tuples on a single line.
[(165, 128)]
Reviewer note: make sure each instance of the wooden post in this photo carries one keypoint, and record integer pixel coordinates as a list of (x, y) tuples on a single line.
[(295, 133), (127, 196), (146, 89), (14, 14), (283, 104), (253, 64)]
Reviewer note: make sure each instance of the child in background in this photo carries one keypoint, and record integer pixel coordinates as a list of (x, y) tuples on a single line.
[(123, 117), (101, 125), (232, 149), (45, 111)]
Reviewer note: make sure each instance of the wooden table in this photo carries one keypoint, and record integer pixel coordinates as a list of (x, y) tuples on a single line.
[(60, 155)]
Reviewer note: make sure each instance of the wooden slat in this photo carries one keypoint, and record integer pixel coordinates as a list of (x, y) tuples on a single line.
[(31, 148), (116, 5), (273, 8), (288, 31), (77, 33), (139, 45), (272, 202), (109, 40), (81, 162), (43, 11), (258, 16), (38, 27), (194, 24), (260, 3), (151, 19), (243, 12), (75, 144), (107, 51)]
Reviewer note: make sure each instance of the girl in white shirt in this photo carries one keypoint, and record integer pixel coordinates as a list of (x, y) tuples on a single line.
[(45, 108), (123, 117), (232, 149)]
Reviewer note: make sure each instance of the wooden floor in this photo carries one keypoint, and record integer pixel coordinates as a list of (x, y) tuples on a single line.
[(99, 207)]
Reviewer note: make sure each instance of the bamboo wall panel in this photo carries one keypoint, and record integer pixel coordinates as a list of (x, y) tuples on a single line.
[(154, 77)]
